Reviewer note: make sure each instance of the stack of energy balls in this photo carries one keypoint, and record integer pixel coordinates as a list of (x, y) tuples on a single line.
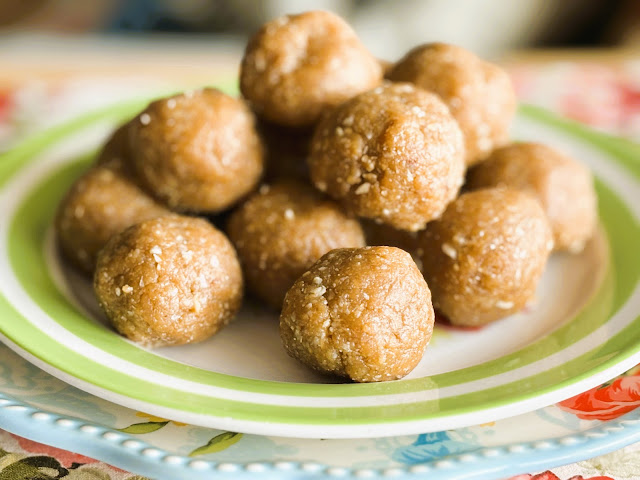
[(328, 150)]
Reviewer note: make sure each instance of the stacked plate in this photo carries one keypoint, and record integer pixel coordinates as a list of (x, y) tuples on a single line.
[(444, 418)]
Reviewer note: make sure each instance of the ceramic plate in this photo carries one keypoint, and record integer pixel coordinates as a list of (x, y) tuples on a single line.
[(40, 407), (583, 329)]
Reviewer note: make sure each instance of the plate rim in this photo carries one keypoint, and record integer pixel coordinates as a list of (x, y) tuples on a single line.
[(367, 429), (125, 451)]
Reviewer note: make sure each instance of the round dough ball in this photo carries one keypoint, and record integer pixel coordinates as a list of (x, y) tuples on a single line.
[(197, 151), (478, 93), (393, 154), (101, 203), (362, 313), (298, 66), (563, 186), (116, 147), (169, 281), (483, 258), (284, 229)]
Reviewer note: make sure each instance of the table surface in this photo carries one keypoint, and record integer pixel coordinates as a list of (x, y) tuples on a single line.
[(45, 80)]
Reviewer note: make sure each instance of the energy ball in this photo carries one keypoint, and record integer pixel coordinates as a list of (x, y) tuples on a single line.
[(284, 229), (483, 258), (116, 147), (298, 66), (478, 93), (101, 203), (169, 281), (563, 186), (361, 313), (393, 154), (198, 151)]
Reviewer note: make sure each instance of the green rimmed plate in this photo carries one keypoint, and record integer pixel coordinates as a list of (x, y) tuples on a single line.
[(583, 330)]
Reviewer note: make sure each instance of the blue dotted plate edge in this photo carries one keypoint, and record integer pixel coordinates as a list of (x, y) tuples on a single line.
[(490, 463), (132, 454)]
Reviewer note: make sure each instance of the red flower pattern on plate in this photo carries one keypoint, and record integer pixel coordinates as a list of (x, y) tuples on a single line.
[(63, 456), (552, 476), (608, 401)]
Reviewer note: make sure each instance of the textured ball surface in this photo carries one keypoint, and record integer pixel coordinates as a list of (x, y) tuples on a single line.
[(198, 151), (361, 313), (284, 229), (484, 257), (169, 281), (298, 66), (393, 154)]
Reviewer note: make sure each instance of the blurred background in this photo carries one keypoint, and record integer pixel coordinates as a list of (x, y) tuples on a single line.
[(58, 57), (389, 28)]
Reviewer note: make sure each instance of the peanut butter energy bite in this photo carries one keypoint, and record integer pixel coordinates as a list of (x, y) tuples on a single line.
[(169, 281), (197, 151), (479, 94), (483, 258), (298, 66), (101, 203), (362, 313), (284, 229), (393, 154), (563, 186)]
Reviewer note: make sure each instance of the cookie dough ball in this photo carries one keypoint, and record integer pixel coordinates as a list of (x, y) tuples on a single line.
[(101, 203), (169, 281), (362, 313), (197, 151), (483, 258), (563, 186), (298, 66), (284, 229), (393, 154), (479, 94), (116, 147), (286, 151)]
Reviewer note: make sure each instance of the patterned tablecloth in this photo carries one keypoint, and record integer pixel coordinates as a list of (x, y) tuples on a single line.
[(605, 95)]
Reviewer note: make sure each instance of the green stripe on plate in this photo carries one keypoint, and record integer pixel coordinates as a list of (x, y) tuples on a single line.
[(624, 151), (27, 151), (600, 358), (35, 216), (25, 247)]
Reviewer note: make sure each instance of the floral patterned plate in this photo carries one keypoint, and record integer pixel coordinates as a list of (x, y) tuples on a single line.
[(35, 405), (583, 330)]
